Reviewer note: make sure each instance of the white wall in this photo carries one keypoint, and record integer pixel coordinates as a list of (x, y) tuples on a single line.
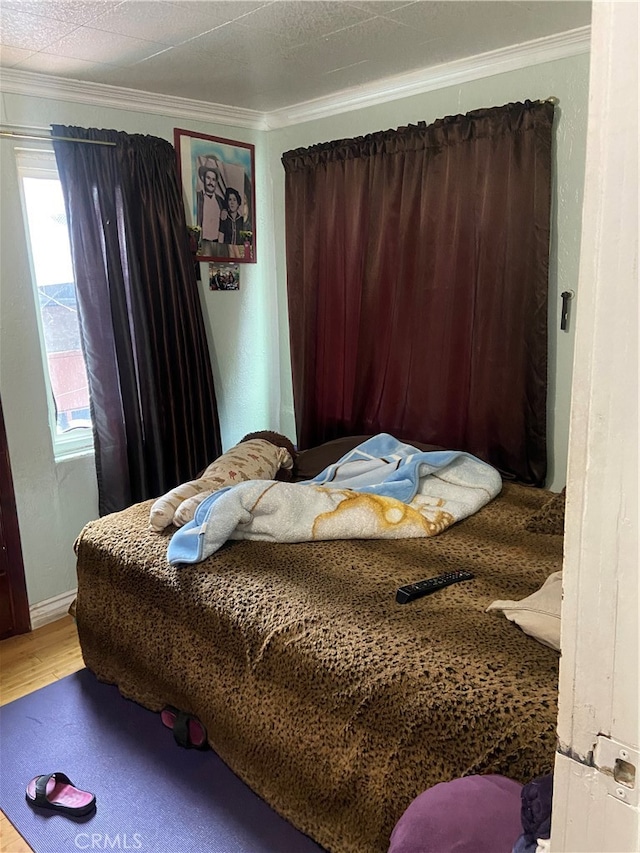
[(55, 500), (248, 330), (566, 79)]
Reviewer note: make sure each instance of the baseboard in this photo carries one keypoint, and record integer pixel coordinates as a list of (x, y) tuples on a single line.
[(51, 609)]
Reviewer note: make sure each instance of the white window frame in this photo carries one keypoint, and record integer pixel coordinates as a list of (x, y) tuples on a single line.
[(40, 162)]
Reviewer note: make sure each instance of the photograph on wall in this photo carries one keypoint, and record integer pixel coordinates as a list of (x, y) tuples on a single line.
[(217, 178), (224, 277)]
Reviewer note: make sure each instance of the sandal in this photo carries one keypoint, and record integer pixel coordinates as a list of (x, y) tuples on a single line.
[(188, 731), (55, 791)]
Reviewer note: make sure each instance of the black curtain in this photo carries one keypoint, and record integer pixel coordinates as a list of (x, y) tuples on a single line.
[(417, 275), (153, 404)]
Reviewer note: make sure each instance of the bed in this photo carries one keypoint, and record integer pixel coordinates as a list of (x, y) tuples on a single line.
[(336, 704)]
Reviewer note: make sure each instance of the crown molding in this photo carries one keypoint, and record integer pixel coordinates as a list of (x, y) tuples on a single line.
[(62, 89), (547, 49)]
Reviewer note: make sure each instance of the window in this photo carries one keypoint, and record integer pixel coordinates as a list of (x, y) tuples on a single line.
[(55, 297)]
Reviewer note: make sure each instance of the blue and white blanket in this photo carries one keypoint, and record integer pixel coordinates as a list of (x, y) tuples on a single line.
[(382, 489)]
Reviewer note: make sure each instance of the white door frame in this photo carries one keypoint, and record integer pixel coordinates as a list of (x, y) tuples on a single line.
[(593, 812)]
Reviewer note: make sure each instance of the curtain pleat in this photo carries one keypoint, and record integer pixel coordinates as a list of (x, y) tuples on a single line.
[(417, 269), (151, 387)]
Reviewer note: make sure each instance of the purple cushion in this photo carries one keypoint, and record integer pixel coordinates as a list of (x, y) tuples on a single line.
[(475, 814)]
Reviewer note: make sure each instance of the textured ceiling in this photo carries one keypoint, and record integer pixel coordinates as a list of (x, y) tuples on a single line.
[(263, 55)]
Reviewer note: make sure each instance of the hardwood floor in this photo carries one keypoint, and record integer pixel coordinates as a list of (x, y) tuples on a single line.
[(27, 663)]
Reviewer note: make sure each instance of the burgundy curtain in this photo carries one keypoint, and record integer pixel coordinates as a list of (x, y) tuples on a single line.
[(417, 267), (153, 404)]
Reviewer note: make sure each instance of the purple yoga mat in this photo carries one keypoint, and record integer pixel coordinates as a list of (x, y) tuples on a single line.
[(152, 795)]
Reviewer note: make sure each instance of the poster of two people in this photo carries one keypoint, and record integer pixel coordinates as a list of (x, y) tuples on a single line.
[(218, 186)]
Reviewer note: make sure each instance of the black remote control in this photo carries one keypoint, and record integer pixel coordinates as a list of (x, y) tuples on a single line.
[(416, 590)]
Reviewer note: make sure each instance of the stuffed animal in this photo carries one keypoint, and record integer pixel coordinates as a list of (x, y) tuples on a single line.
[(264, 455)]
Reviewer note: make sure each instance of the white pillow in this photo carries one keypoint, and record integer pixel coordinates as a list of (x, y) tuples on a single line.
[(539, 614)]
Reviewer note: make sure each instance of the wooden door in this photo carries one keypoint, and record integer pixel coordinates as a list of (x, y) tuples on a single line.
[(14, 605)]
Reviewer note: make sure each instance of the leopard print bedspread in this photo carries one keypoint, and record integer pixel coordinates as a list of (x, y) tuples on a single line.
[(335, 704)]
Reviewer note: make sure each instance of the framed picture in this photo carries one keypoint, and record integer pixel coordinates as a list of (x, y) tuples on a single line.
[(224, 277), (218, 186)]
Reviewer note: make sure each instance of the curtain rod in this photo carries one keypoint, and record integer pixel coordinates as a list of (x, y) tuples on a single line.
[(11, 134)]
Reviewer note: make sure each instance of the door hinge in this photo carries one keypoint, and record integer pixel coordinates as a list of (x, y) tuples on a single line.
[(619, 763)]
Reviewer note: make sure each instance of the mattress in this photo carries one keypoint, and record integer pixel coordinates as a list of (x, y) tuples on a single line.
[(334, 703)]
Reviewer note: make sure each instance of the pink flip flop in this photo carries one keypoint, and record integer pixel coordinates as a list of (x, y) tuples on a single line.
[(56, 791), (187, 730)]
